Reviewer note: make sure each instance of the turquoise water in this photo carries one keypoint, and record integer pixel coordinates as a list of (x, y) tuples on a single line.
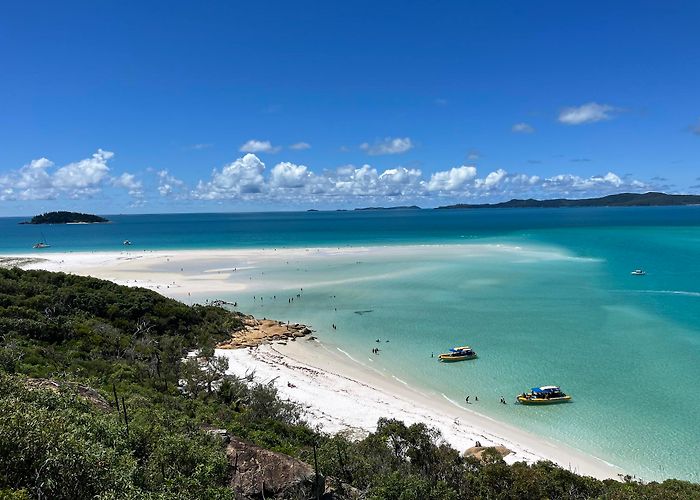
[(562, 308)]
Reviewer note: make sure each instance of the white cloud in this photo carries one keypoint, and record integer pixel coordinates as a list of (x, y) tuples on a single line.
[(586, 113), (300, 146), (83, 174), (523, 128), (451, 180), (255, 146), (80, 179), (169, 185), (569, 182), (130, 183), (289, 175), (388, 146), (492, 180), (244, 176)]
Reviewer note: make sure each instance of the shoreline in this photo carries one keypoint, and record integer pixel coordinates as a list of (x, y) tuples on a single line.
[(330, 388), (199, 275)]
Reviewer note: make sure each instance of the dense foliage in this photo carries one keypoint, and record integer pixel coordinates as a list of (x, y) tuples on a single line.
[(63, 217), (650, 199), (61, 335)]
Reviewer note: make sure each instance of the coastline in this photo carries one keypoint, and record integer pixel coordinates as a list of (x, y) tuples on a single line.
[(330, 388), (328, 384)]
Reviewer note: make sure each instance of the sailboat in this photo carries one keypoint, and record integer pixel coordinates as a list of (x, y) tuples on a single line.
[(42, 243)]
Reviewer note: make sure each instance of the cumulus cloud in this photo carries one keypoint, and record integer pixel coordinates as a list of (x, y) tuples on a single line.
[(492, 180), (40, 180), (300, 146), (85, 174), (388, 146), (587, 113), (241, 177), (255, 146), (451, 180), (289, 175), (523, 128)]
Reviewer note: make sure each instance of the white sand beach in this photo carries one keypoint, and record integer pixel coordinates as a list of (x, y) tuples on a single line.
[(336, 393)]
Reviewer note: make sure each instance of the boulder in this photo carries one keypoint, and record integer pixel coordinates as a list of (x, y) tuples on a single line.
[(478, 451), (260, 473)]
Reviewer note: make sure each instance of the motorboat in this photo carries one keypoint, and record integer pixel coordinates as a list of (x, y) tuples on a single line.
[(545, 395), (638, 272), (41, 244), (460, 353)]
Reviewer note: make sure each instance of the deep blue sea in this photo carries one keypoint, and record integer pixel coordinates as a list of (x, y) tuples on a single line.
[(563, 309)]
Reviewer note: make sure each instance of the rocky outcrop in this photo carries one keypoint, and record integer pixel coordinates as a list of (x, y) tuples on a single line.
[(478, 451), (88, 393), (260, 473), (261, 331)]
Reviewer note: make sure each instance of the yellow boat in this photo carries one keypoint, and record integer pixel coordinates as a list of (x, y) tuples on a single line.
[(545, 395), (458, 354)]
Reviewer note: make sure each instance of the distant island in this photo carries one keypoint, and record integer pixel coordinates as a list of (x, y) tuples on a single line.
[(412, 207), (65, 218), (650, 199)]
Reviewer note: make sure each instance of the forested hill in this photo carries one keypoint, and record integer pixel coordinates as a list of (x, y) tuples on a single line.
[(65, 218), (99, 399), (650, 199)]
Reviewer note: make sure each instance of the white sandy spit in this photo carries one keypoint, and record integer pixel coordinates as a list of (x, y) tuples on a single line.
[(337, 393)]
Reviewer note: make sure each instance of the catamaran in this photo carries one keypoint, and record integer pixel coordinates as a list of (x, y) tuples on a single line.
[(545, 395), (460, 353)]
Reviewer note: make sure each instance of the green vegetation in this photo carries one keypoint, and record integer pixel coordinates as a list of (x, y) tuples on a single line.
[(69, 345), (65, 218), (650, 199)]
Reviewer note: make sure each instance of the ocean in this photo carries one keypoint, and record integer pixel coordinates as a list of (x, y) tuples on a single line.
[(545, 296)]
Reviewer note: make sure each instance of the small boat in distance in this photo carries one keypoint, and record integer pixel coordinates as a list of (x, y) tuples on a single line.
[(638, 272), (41, 244), (126, 243), (545, 395), (458, 354)]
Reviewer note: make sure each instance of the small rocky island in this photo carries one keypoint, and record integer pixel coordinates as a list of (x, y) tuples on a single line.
[(65, 218)]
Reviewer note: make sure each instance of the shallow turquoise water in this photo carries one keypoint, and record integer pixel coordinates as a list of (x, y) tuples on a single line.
[(562, 310)]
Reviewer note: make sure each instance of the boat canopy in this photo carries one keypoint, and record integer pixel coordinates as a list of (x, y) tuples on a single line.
[(460, 349), (547, 389)]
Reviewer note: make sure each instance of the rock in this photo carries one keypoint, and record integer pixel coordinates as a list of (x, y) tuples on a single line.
[(260, 473), (338, 490), (87, 393), (219, 433), (478, 451)]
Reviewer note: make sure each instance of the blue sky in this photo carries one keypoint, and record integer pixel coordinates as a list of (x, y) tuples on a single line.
[(211, 106)]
